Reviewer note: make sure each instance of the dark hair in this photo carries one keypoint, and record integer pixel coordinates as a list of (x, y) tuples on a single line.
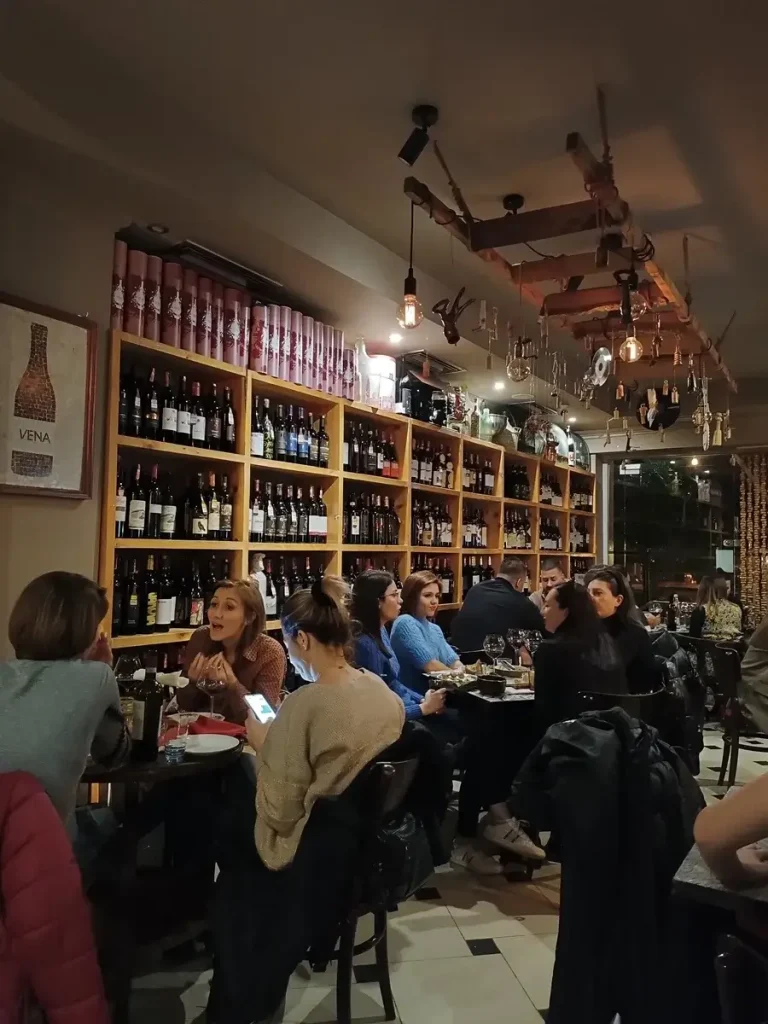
[(618, 585), (548, 564), (320, 611), (368, 589), (412, 589), (513, 568), (583, 622), (56, 617)]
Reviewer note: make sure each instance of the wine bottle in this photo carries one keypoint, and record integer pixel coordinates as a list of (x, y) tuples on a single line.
[(154, 504), (269, 433), (324, 445), (147, 708), (281, 516), (270, 524), (257, 515), (137, 506), (123, 408), (168, 514), (225, 530), (294, 580), (302, 440), (118, 597), (131, 609), (270, 594), (257, 432), (182, 605), (209, 584), (228, 423), (281, 435), (292, 527), (314, 444), (151, 422), (256, 574), (291, 437), (199, 510), (183, 418), (169, 416), (166, 596), (196, 599), (214, 425), (148, 603), (214, 508), (303, 517), (121, 505), (198, 420)]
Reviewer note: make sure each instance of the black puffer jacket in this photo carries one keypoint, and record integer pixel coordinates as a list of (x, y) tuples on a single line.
[(682, 679), (621, 805)]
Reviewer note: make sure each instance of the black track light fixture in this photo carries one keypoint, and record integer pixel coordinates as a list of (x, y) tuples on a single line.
[(424, 117)]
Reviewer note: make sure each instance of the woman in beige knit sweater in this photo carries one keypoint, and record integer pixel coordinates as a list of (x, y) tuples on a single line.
[(275, 898)]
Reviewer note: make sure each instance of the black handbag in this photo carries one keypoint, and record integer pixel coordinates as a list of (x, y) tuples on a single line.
[(405, 858)]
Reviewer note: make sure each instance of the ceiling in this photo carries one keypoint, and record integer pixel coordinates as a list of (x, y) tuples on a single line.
[(319, 96)]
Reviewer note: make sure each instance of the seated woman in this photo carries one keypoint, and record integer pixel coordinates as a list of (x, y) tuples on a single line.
[(614, 602), (727, 830), (234, 649), (376, 602), (418, 642), (715, 615), (59, 701), (277, 897), (578, 655)]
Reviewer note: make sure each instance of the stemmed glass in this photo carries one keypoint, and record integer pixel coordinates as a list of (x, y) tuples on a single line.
[(211, 687), (494, 646)]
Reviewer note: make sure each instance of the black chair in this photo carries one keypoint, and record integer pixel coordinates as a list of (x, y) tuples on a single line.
[(369, 892), (652, 708), (742, 982)]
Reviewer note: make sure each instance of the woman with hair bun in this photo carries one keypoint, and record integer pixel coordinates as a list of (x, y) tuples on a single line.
[(307, 823)]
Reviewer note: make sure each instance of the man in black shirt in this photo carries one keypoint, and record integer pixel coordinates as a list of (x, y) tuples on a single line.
[(494, 607)]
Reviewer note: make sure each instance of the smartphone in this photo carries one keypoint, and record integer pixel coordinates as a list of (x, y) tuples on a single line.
[(261, 707)]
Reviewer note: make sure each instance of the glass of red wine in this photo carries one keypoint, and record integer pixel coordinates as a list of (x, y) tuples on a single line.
[(211, 687)]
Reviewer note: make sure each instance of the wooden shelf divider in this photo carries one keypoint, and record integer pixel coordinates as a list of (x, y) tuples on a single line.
[(244, 385)]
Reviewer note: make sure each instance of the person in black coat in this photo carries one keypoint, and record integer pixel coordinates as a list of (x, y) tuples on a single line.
[(494, 607), (614, 604), (578, 656)]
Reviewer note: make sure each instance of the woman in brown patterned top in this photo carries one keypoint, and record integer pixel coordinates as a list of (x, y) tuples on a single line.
[(235, 649)]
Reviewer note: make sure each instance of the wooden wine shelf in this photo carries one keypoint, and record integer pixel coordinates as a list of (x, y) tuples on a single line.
[(184, 450), (333, 554)]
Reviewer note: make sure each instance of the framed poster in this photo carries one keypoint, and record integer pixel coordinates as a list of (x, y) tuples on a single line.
[(47, 392)]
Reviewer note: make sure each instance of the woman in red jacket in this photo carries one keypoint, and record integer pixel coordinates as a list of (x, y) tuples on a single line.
[(47, 955)]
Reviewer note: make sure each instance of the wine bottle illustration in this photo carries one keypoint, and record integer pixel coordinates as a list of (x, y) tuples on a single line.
[(34, 401)]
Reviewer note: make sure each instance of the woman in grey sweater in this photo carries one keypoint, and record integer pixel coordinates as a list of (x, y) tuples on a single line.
[(59, 701)]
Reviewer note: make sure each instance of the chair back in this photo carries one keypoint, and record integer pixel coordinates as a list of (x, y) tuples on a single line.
[(742, 982), (727, 663), (652, 708), (388, 787)]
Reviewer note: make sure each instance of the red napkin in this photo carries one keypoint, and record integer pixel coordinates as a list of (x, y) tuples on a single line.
[(203, 725)]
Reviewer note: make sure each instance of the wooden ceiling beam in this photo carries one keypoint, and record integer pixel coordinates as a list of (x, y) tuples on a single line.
[(586, 300), (447, 218), (560, 268), (518, 228), (644, 325), (605, 192)]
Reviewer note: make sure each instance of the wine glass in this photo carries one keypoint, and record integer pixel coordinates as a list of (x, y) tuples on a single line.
[(494, 646), (533, 640), (127, 668), (211, 687)]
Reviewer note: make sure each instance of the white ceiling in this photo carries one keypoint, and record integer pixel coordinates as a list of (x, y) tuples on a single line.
[(319, 96)]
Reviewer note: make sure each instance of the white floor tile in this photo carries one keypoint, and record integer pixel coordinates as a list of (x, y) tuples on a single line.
[(489, 912), (532, 960), (478, 990), (421, 930), (316, 1004)]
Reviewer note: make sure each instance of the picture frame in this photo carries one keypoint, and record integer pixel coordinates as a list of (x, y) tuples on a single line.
[(47, 400)]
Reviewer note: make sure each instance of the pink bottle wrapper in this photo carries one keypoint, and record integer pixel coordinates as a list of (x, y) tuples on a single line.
[(172, 304), (217, 322), (119, 270), (135, 292), (319, 333), (285, 343), (338, 348), (259, 339), (189, 311), (348, 374), (273, 341), (295, 371), (153, 311), (308, 347), (232, 326), (245, 331), (330, 359), (204, 316)]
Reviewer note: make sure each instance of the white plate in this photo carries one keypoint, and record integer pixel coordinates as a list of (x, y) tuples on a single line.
[(193, 715), (210, 744)]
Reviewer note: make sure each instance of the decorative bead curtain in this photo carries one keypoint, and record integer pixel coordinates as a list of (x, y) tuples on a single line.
[(753, 552)]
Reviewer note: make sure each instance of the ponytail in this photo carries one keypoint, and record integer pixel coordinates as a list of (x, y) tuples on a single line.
[(321, 611)]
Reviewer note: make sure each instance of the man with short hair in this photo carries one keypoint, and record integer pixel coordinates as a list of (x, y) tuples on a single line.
[(550, 575), (494, 607)]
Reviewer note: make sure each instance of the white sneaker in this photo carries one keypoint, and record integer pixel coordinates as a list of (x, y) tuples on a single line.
[(509, 835), (467, 855)]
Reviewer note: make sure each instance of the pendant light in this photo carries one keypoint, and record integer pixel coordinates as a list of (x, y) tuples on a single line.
[(410, 314), (631, 349)]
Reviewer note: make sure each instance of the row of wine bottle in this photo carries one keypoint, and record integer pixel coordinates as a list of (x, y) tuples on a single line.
[(580, 537), (370, 519), (431, 526), (173, 414), (151, 598), (517, 484), (152, 507), (369, 451), (432, 465), (290, 437), (474, 528), (279, 514), (517, 530)]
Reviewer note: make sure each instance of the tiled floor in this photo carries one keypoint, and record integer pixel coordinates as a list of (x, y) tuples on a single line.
[(468, 951)]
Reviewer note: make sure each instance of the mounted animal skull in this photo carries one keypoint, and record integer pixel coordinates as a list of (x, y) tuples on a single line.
[(449, 315)]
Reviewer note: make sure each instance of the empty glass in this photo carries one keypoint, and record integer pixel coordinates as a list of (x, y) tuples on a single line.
[(176, 746), (211, 687), (494, 646)]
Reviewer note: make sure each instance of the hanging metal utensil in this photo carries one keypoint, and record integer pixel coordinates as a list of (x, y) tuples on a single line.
[(620, 393), (675, 396), (691, 380), (607, 439), (665, 387), (717, 433), (600, 367), (657, 342), (677, 358)]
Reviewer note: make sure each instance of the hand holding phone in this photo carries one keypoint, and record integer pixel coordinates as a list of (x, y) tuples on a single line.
[(260, 707)]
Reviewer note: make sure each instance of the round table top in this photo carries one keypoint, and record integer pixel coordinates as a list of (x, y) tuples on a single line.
[(160, 770)]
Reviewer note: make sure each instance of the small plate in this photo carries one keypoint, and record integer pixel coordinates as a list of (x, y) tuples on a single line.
[(210, 744), (196, 714)]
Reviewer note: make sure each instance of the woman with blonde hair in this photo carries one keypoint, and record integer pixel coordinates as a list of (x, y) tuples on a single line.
[(308, 807), (234, 649), (715, 615)]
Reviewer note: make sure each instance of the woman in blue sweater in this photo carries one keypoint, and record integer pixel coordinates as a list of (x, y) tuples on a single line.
[(417, 641), (375, 603)]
